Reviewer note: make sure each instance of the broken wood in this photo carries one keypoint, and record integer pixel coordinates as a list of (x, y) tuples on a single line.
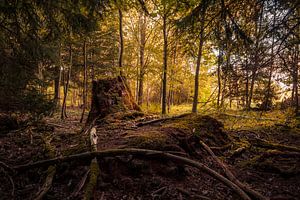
[(94, 167), (161, 119), (50, 172), (231, 177), (266, 144), (80, 185), (249, 117), (142, 153)]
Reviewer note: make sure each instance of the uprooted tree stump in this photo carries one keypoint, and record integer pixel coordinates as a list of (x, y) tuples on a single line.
[(110, 96)]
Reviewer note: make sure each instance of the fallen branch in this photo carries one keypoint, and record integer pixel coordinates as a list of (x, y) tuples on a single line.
[(50, 173), (248, 117), (47, 184), (183, 191), (266, 144), (142, 153), (80, 185), (231, 177), (161, 119), (94, 167)]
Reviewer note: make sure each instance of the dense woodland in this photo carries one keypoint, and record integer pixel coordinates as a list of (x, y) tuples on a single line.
[(149, 99)]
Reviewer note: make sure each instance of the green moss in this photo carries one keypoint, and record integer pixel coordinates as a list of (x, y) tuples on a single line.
[(94, 172), (148, 139)]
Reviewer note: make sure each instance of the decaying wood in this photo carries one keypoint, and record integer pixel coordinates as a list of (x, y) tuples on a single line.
[(183, 191), (80, 185), (50, 174), (161, 119), (142, 153), (249, 117), (47, 184), (94, 167), (110, 96), (266, 144), (231, 177)]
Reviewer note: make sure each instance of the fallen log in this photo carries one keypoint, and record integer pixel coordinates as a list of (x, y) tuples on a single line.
[(94, 167), (161, 119), (231, 177), (50, 173), (249, 117), (142, 153), (265, 144)]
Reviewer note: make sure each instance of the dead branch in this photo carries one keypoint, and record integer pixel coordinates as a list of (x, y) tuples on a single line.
[(183, 191), (249, 117), (80, 185), (94, 167), (266, 144), (48, 183), (50, 173), (142, 153), (161, 119), (231, 177)]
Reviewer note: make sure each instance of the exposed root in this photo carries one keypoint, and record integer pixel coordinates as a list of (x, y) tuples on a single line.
[(142, 153), (231, 177)]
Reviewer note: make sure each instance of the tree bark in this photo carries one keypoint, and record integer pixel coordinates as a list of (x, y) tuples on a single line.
[(84, 96), (121, 47), (57, 81), (219, 77), (64, 106), (165, 66), (143, 24), (199, 57)]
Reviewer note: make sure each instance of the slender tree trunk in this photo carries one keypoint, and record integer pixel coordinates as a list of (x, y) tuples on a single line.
[(199, 57), (256, 56), (219, 77), (57, 81), (93, 66), (295, 81), (267, 97), (165, 67), (247, 84), (64, 106), (84, 96), (142, 55), (121, 40)]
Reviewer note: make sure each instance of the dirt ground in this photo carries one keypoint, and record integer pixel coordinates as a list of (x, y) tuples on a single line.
[(271, 170)]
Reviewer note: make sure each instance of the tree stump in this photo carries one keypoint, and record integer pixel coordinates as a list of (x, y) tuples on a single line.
[(110, 96)]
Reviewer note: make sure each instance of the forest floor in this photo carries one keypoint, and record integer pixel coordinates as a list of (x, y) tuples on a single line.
[(261, 150)]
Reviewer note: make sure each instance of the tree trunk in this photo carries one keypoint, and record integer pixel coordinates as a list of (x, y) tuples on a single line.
[(199, 57), (64, 106), (143, 23), (165, 66), (84, 96), (256, 56), (219, 77), (110, 96), (121, 47), (57, 81)]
